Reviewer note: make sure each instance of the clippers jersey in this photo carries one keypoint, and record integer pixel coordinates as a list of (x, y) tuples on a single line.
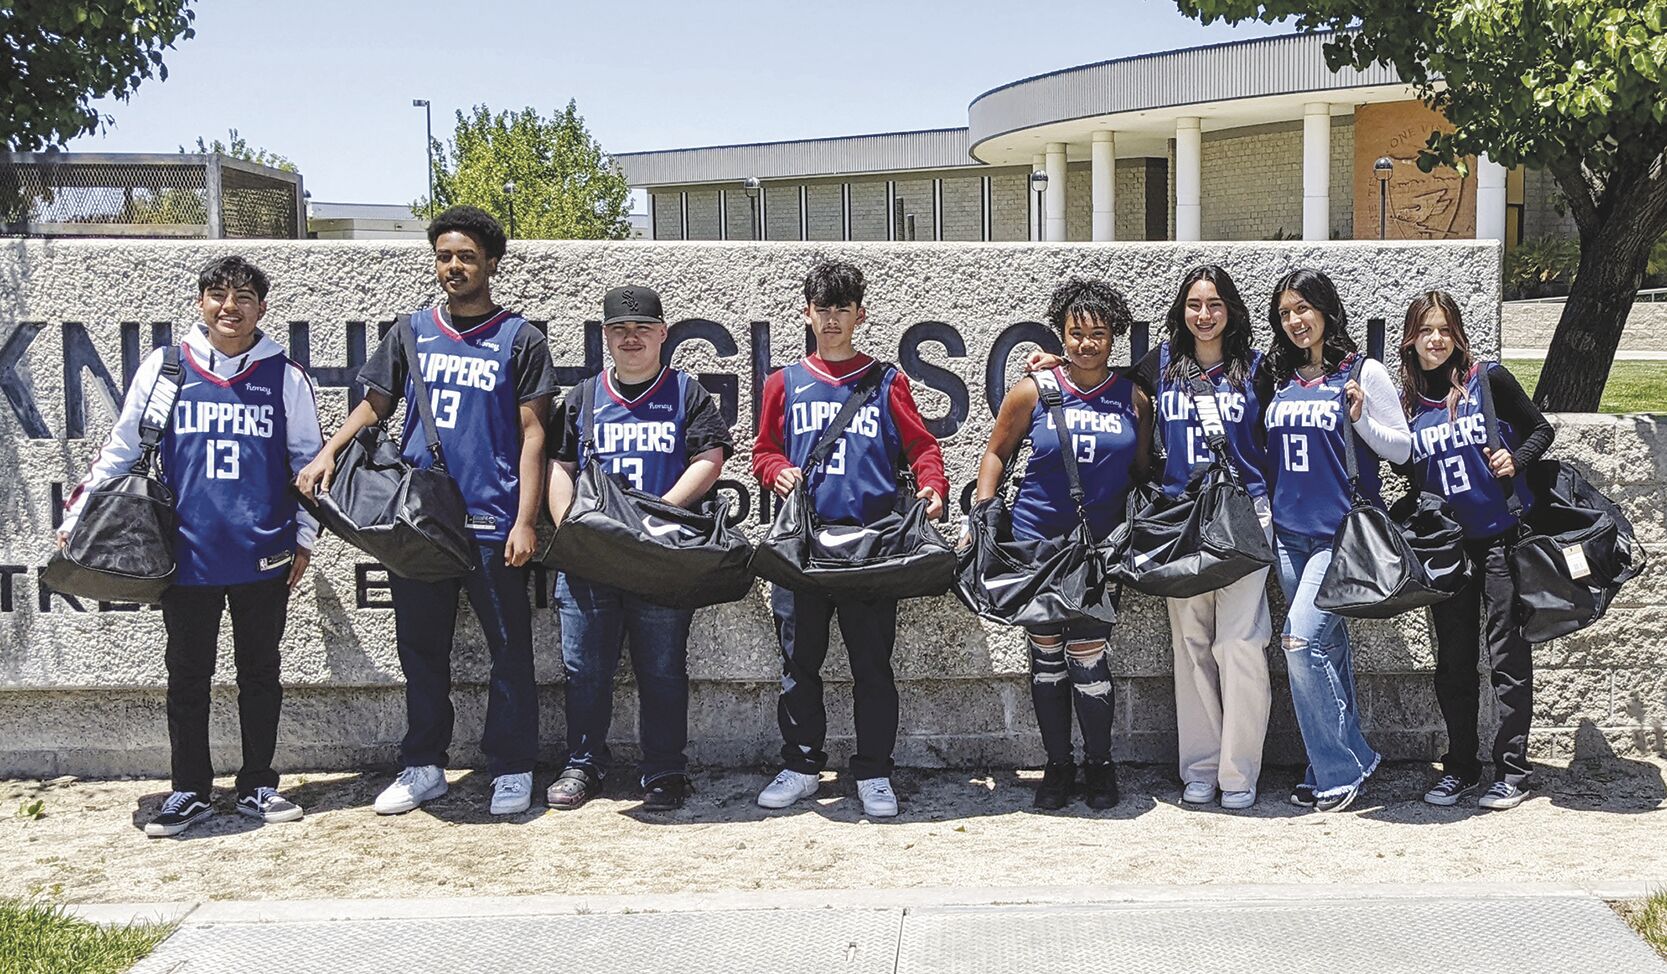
[(1103, 429), (226, 456), (1307, 474), (477, 412), (1183, 436), (857, 483), (639, 440), (1447, 459)]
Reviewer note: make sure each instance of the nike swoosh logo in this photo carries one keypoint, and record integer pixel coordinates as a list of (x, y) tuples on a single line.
[(427, 338), (802, 388), (190, 384), (1443, 574), (660, 529), (994, 583), (828, 537)]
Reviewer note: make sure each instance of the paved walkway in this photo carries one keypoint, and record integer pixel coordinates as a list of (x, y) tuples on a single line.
[(1385, 930)]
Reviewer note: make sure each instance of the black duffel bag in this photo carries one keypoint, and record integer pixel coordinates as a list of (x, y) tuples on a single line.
[(1384, 563), (900, 556), (1205, 539), (1037, 581), (638, 543), (409, 518), (121, 549), (1572, 551)]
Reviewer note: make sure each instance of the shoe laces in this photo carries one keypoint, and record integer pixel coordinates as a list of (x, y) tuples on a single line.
[(511, 784), (879, 788), (786, 778), (177, 801), (1449, 782), (1501, 789), (263, 795), (409, 776)]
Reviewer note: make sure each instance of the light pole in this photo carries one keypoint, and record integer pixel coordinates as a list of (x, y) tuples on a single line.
[(752, 185), (509, 195), (428, 144), (1039, 183), (1382, 169)]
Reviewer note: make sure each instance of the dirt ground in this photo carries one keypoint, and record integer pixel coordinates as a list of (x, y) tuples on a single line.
[(1585, 824)]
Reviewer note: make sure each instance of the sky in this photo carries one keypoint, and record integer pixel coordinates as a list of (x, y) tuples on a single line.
[(330, 84)]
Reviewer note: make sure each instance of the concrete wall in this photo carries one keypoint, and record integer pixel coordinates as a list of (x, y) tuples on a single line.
[(1530, 324), (80, 691)]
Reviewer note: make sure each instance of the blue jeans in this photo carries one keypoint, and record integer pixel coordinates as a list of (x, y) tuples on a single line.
[(595, 619), (425, 620), (1320, 665)]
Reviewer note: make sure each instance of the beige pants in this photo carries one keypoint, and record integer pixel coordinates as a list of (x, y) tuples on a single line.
[(1221, 679)]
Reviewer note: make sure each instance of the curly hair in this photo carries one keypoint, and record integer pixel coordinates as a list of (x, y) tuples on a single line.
[(232, 272), (834, 284), (1284, 357), (1089, 299), (473, 222), (1235, 340)]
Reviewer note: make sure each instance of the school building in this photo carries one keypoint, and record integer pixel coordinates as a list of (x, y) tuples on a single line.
[(1250, 140)]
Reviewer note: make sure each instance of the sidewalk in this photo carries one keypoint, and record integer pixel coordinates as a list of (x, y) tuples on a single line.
[(1386, 930)]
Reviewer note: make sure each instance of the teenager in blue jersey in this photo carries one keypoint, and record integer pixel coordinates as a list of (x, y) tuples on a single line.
[(1314, 406), (243, 421), (1110, 425), (658, 430), (856, 485), (489, 380), (1442, 386)]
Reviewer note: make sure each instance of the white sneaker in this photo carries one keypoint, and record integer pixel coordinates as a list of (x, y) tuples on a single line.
[(1198, 793), (512, 794), (1237, 800), (878, 800), (787, 788), (414, 786)]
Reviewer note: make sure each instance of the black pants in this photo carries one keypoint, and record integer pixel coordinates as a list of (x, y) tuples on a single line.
[(870, 631), (1485, 606), (192, 616)]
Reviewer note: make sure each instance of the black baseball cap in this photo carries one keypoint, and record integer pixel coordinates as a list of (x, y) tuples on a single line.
[(631, 303)]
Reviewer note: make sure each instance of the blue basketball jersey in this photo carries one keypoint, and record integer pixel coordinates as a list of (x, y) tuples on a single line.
[(1183, 436), (1307, 475), (1103, 428), (639, 440), (1447, 459), (857, 483), (472, 389), (226, 456)]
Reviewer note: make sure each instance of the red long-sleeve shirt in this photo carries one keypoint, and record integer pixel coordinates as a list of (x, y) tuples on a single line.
[(920, 447)]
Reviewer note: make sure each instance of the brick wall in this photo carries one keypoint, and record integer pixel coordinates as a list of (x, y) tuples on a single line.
[(963, 208), (868, 209), (916, 197), (703, 214), (668, 216), (825, 204), (740, 208), (781, 211), (1539, 208), (1010, 205), (1252, 185)]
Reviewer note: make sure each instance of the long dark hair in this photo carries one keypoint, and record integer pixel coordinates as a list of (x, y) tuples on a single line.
[(1316, 288), (1236, 353), (1456, 370)]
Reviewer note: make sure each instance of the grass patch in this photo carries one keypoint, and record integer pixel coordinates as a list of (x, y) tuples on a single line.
[(1649, 918), (40, 938), (1633, 386)]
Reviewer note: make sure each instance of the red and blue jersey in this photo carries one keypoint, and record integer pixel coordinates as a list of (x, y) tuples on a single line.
[(225, 455), (1448, 459), (477, 410), (640, 440), (1103, 428), (1307, 474), (1184, 446), (857, 483)]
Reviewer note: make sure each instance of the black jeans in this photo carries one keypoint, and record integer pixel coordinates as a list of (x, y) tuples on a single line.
[(870, 631), (1485, 606), (1059, 681), (191, 614), (425, 620)]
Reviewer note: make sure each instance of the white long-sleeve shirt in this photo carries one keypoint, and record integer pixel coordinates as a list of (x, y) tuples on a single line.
[(122, 448), (1383, 421)]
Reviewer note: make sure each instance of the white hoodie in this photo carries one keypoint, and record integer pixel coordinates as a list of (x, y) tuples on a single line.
[(122, 448)]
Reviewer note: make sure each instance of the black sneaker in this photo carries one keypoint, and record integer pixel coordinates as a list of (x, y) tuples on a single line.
[(180, 811), (1448, 790), (666, 794), (572, 788), (1302, 796), (1099, 785), (268, 806), (1058, 780), (1337, 803)]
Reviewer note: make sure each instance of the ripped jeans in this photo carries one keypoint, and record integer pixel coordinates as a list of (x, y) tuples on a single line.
[(1320, 666), (1068, 665)]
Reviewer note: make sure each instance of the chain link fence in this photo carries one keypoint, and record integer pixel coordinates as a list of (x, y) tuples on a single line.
[(81, 194)]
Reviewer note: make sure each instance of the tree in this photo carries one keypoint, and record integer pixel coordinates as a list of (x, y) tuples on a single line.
[(1575, 87), (565, 186), (56, 57), (239, 149)]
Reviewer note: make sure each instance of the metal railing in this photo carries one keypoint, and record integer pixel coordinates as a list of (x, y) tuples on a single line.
[(96, 194)]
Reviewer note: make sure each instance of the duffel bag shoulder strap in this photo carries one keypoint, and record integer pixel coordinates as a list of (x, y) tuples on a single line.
[(1513, 503), (587, 418), (1351, 458), (1206, 405), (159, 405), (861, 395), (425, 409), (1054, 403)]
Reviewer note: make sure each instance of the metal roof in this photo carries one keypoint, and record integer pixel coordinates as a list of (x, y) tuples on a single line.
[(886, 152)]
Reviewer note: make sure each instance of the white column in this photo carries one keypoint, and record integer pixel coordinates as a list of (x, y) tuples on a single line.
[(1316, 171), (1038, 223), (1189, 179), (1103, 176), (1490, 199), (1055, 196)]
